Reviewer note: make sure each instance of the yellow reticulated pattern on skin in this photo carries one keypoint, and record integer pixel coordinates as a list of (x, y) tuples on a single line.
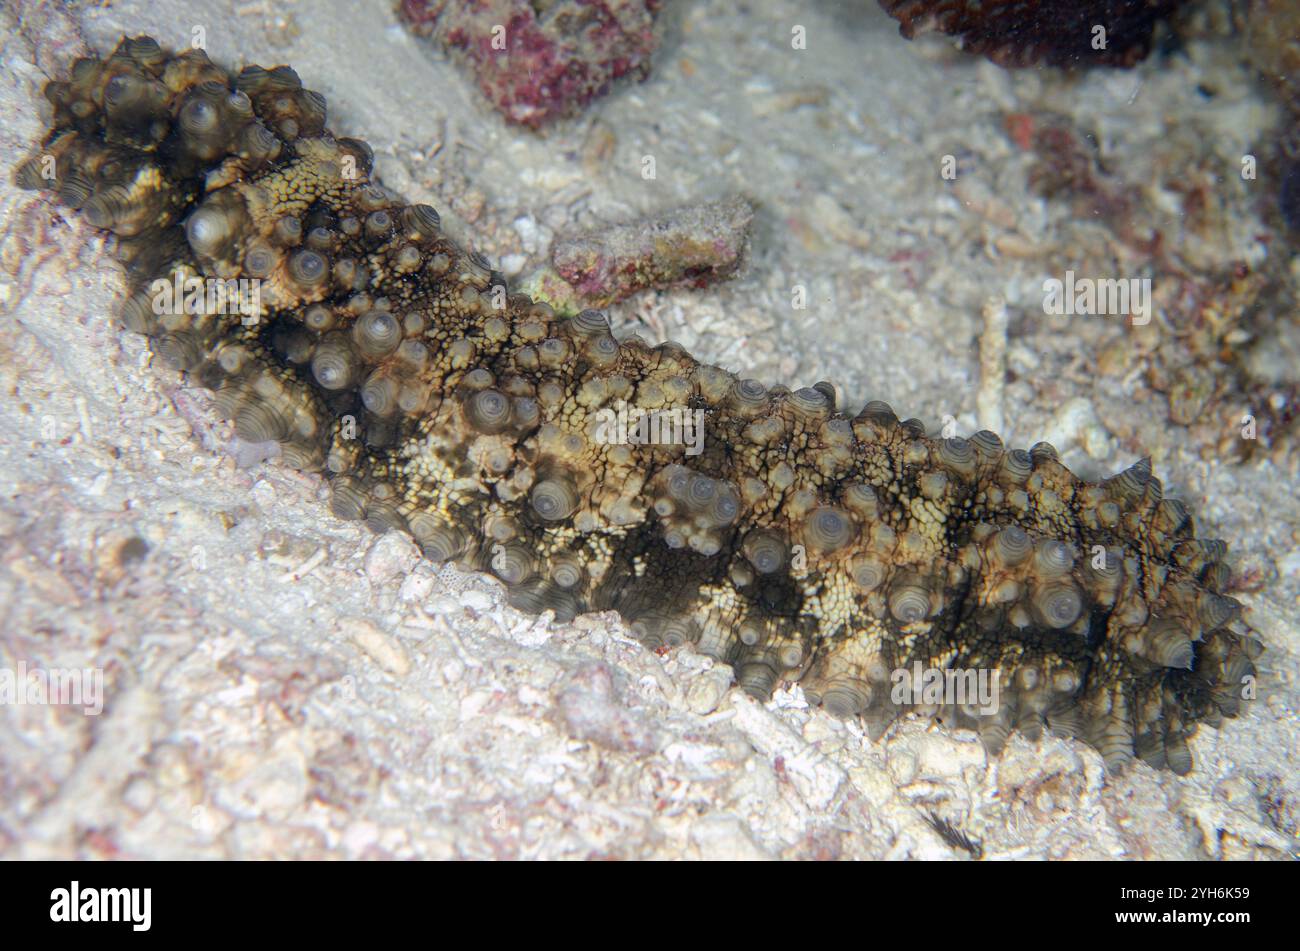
[(798, 543)]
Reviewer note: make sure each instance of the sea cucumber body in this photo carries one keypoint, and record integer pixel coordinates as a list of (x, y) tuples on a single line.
[(800, 542)]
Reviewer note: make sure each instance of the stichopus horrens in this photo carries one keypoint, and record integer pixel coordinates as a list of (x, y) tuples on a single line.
[(775, 532)]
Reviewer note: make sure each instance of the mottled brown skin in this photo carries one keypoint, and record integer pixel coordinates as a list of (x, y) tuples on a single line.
[(1017, 33), (801, 543)]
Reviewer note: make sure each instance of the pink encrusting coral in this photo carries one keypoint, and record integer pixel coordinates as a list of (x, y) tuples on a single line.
[(539, 61)]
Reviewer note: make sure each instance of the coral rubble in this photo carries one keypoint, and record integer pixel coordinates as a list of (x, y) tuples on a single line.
[(689, 247)]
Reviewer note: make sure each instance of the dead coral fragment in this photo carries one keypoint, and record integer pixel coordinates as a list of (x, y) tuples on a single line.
[(1015, 33), (537, 62), (690, 247)]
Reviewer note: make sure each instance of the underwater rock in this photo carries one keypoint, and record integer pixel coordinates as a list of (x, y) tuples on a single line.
[(539, 62), (1017, 33)]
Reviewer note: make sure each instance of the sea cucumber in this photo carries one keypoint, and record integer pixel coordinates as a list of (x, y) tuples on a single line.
[(785, 537)]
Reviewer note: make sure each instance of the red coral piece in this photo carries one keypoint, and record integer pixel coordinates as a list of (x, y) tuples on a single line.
[(539, 61)]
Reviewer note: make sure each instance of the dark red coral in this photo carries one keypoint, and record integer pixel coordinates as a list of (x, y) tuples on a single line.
[(538, 61), (1015, 33)]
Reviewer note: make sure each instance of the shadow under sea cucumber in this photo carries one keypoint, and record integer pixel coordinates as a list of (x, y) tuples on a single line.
[(798, 542)]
